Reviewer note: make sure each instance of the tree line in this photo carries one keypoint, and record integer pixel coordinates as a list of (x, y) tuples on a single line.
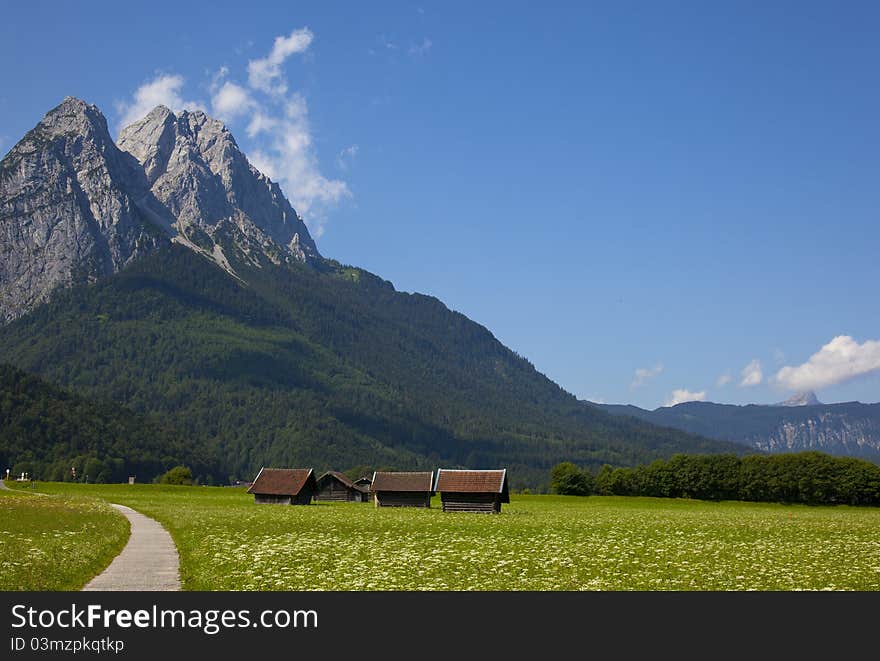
[(812, 478)]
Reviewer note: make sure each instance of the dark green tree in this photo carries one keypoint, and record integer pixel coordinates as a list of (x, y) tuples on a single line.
[(179, 475), (566, 479), (812, 478)]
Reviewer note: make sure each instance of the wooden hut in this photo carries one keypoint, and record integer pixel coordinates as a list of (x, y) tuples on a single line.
[(363, 482), (365, 486), (284, 486), (472, 490), (402, 489), (335, 486)]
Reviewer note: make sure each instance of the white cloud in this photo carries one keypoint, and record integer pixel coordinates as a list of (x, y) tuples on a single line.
[(682, 395), (840, 360), (279, 125), (264, 163), (231, 101), (163, 90), (751, 374), (723, 380), (218, 76), (387, 43), (642, 374), (289, 158), (347, 156), (422, 48), (261, 123), (265, 74)]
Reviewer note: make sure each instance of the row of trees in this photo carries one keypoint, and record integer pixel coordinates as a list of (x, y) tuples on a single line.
[(806, 477)]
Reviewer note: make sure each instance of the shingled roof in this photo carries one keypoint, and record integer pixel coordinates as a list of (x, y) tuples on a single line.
[(403, 481), (282, 481), (472, 481), (341, 477)]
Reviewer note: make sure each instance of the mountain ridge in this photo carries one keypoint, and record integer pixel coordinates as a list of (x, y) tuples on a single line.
[(197, 171), (844, 429), (73, 208), (75, 205), (260, 352)]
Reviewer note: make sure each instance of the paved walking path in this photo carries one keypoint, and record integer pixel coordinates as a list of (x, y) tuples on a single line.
[(33, 493), (149, 561)]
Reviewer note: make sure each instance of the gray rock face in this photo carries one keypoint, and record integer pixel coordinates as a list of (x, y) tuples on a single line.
[(73, 208), (801, 399), (220, 201), (846, 429), (835, 431)]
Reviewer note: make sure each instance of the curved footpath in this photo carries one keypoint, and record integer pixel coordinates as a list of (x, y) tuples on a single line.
[(148, 562), (32, 493)]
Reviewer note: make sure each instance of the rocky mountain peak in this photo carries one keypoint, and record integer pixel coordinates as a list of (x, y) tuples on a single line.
[(73, 127), (153, 139), (75, 117), (150, 140), (802, 399), (73, 207), (221, 202)]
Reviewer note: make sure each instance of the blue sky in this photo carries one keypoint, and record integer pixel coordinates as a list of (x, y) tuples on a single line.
[(639, 197)]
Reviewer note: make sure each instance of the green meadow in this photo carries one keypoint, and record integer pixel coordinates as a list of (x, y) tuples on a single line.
[(56, 543), (226, 542)]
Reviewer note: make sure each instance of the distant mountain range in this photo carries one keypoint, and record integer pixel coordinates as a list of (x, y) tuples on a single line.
[(166, 276), (799, 423)]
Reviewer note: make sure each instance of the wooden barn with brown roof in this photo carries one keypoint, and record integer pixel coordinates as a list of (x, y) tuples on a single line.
[(402, 489), (335, 486), (284, 486), (472, 490), (364, 482)]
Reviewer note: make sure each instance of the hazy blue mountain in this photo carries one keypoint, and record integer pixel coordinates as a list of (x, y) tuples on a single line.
[(848, 429)]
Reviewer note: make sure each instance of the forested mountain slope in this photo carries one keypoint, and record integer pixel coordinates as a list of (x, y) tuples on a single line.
[(169, 276), (46, 431), (329, 367)]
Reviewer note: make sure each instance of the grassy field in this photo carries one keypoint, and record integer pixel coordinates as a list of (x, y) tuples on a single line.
[(56, 543), (226, 542)]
